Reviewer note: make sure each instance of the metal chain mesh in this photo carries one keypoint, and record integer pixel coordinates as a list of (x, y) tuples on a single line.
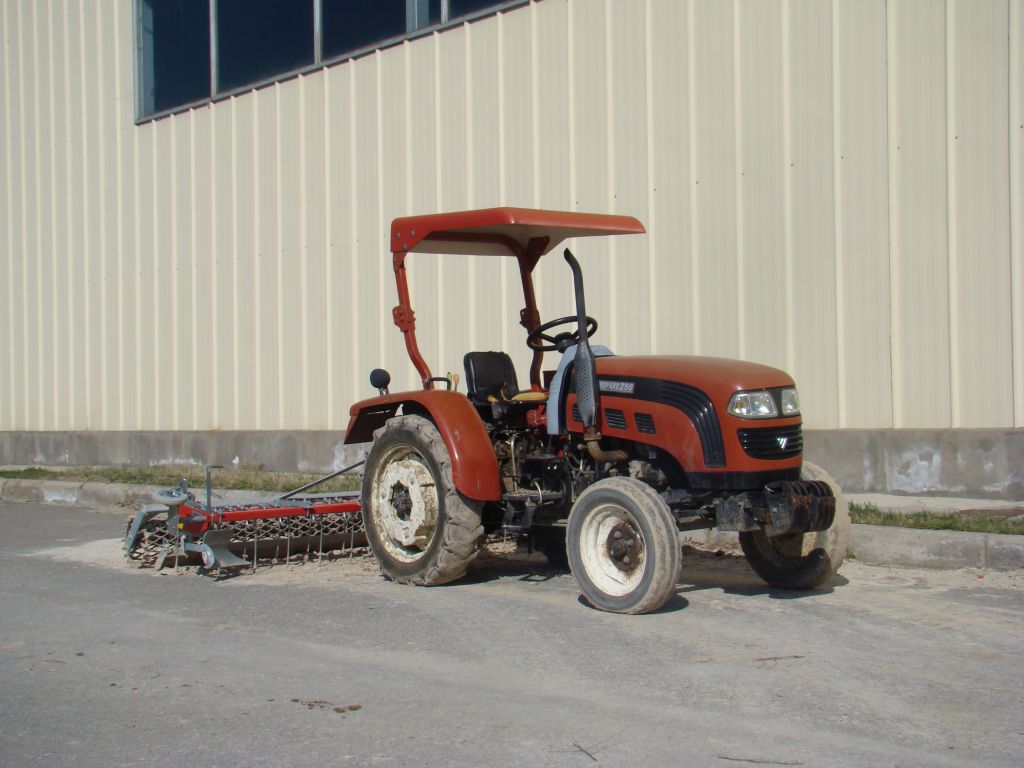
[(297, 527), (293, 535), (152, 538)]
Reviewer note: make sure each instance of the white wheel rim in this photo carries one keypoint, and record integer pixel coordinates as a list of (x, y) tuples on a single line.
[(605, 570), (405, 504)]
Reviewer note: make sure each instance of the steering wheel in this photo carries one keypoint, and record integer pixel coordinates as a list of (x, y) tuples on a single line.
[(559, 341)]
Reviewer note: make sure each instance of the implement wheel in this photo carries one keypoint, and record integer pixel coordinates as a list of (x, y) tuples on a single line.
[(623, 546), (420, 528), (802, 560)]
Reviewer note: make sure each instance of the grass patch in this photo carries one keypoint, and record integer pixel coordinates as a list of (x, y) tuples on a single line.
[(235, 478), (30, 473), (869, 514)]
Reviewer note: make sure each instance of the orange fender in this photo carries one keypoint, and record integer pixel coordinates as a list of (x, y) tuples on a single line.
[(474, 465)]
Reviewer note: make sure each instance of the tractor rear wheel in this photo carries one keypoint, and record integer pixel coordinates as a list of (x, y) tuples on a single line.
[(802, 560), (623, 546), (420, 528)]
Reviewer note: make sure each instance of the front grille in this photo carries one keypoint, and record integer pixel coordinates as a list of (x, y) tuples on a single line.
[(614, 418), (772, 442)]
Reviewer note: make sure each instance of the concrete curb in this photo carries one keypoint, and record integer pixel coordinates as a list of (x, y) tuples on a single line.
[(886, 545), (103, 495), (61, 492), (872, 544), (23, 490), (906, 505)]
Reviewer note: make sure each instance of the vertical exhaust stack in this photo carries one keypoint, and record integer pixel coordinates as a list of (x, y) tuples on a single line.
[(585, 375)]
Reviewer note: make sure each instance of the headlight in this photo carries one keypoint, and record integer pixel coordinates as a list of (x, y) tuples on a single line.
[(754, 405), (790, 402)]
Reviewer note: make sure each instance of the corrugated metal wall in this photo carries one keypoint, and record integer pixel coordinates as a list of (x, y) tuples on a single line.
[(831, 187)]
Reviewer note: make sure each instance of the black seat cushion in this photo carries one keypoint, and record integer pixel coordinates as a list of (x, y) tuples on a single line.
[(490, 374)]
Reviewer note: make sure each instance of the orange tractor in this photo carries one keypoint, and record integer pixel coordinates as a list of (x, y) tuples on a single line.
[(601, 461)]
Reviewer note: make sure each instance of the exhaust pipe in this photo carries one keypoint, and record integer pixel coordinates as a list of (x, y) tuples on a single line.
[(597, 453), (585, 375)]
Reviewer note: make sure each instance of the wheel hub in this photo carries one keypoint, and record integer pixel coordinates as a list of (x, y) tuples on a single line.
[(612, 549), (401, 501), (407, 506), (624, 547)]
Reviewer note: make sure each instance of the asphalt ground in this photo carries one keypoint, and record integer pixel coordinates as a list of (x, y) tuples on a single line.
[(329, 664)]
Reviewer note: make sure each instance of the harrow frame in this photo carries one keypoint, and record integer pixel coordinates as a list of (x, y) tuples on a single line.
[(211, 531)]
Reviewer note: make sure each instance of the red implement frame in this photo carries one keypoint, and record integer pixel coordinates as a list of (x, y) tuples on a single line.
[(197, 518), (525, 233)]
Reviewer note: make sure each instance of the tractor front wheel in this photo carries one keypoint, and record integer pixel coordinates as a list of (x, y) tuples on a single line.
[(420, 528), (802, 560), (623, 546)]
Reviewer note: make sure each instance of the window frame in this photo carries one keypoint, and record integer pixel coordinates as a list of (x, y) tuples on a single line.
[(415, 10)]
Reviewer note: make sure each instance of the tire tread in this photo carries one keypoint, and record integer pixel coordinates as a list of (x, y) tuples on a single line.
[(463, 528)]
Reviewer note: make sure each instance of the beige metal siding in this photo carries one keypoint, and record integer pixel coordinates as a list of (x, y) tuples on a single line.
[(861, 208), (1016, 90), (830, 187), (979, 236)]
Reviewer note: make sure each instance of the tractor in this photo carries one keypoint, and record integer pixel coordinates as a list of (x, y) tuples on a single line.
[(600, 462)]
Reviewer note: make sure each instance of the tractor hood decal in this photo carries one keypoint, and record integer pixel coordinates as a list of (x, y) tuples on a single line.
[(616, 387)]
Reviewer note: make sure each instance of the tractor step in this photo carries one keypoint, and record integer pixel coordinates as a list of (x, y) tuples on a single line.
[(520, 506)]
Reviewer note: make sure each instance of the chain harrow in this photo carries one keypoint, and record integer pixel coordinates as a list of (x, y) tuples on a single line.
[(152, 539), (287, 536)]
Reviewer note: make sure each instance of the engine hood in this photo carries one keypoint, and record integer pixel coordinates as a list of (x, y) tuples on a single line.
[(716, 376)]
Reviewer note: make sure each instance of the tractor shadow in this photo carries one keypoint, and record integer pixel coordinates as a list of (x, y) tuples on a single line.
[(728, 570), (702, 570), (503, 560)]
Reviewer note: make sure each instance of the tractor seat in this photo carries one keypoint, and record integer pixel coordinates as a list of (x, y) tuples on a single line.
[(491, 378)]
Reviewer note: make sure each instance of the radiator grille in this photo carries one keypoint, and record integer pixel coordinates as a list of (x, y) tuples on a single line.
[(772, 442)]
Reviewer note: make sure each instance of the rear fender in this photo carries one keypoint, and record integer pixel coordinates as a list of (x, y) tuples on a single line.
[(474, 466)]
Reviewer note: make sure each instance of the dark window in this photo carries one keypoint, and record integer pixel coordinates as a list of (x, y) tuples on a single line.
[(349, 26), (465, 7), (257, 39), (175, 55)]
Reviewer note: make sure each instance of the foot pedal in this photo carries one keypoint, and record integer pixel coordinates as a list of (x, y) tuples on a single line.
[(215, 552)]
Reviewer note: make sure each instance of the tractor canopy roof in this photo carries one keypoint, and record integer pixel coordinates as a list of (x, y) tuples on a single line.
[(524, 233), (521, 232)]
